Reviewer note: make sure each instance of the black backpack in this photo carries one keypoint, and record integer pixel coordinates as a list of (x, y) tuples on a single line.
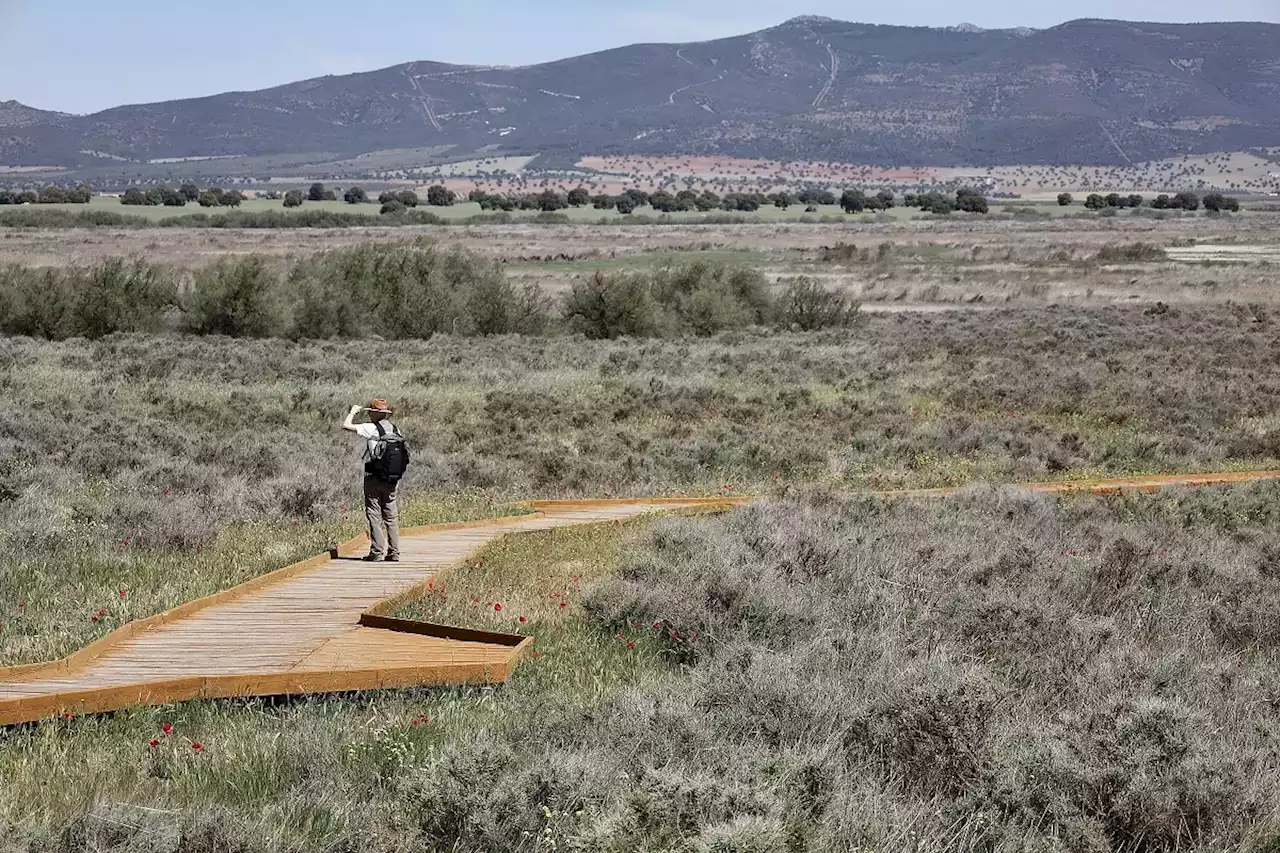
[(389, 457)]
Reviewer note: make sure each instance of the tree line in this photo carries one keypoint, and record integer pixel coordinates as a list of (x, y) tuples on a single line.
[(1215, 202), (47, 195), (169, 197)]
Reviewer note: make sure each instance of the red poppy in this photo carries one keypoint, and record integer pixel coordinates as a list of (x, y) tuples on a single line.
[(93, 618), (67, 715), (564, 604), (535, 654), (153, 743), (497, 608), (124, 593), (631, 645), (523, 620), (197, 746), (167, 728), (166, 491), (102, 612), (657, 625)]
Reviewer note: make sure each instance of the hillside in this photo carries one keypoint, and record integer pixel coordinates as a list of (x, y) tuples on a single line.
[(815, 89)]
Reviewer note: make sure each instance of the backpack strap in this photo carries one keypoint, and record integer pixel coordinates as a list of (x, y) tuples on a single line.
[(378, 426)]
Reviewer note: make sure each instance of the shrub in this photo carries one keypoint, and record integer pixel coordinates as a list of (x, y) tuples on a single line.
[(92, 302), (119, 297), (807, 306), (235, 297), (605, 306), (409, 292), (1132, 252), (704, 297)]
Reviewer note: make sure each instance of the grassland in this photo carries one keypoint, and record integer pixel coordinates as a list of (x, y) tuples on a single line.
[(819, 672)]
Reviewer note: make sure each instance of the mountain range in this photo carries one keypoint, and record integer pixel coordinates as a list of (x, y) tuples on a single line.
[(1087, 91)]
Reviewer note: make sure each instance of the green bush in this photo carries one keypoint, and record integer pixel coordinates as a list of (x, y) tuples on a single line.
[(235, 297), (32, 302), (606, 306), (704, 297), (409, 292), (119, 297), (807, 306), (698, 298), (91, 302)]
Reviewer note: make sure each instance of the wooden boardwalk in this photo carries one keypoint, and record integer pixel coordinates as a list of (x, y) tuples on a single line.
[(322, 626), (318, 626)]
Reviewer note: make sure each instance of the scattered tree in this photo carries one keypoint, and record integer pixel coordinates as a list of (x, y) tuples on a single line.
[(316, 193), (293, 198), (853, 201), (971, 201), (440, 196), (1217, 202), (355, 195), (1065, 199)]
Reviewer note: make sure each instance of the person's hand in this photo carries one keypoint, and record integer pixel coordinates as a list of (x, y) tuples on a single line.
[(355, 410)]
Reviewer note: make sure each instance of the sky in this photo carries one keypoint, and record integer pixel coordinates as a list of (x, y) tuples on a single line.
[(86, 55)]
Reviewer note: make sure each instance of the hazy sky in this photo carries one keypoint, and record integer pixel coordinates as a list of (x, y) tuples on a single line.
[(86, 55)]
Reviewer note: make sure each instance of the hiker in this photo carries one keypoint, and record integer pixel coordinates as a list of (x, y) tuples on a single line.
[(385, 459)]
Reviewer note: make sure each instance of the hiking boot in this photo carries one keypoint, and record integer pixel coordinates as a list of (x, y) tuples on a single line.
[(372, 558), (393, 558)]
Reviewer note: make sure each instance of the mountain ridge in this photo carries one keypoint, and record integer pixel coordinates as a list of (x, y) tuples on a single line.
[(813, 88)]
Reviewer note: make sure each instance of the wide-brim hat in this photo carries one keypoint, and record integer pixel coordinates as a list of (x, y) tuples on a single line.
[(378, 405)]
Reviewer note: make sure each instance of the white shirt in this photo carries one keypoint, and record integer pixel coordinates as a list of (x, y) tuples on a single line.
[(369, 432)]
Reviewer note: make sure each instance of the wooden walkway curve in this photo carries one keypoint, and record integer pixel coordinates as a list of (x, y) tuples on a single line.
[(321, 625)]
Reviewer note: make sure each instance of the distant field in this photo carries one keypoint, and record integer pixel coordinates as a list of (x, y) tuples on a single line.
[(1234, 171), (464, 210)]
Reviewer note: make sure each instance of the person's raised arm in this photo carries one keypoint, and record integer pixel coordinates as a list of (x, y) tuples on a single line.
[(350, 423)]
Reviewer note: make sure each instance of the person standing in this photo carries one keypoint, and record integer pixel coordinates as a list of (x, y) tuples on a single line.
[(386, 456)]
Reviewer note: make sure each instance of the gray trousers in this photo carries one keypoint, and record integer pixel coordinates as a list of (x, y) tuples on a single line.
[(380, 509)]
